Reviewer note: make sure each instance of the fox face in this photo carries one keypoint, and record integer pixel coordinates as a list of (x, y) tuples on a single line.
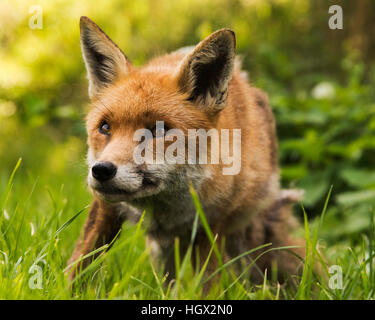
[(140, 113)]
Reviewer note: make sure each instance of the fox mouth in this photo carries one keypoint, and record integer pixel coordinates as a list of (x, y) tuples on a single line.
[(148, 186), (114, 191)]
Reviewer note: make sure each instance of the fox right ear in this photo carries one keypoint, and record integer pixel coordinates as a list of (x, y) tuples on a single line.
[(105, 62), (205, 73)]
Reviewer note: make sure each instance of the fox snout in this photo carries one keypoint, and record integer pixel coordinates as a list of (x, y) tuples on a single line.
[(122, 182), (103, 171)]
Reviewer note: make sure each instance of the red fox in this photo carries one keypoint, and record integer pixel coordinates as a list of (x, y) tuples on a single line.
[(199, 88)]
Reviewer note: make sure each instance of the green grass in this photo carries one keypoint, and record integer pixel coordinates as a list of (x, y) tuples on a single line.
[(41, 216)]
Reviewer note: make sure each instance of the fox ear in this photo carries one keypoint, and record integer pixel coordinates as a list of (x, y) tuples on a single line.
[(104, 61), (206, 72)]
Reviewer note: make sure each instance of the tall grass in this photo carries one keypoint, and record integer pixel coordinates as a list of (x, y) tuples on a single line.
[(39, 225)]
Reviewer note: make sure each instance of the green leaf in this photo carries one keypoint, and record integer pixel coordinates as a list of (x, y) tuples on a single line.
[(359, 178), (355, 197)]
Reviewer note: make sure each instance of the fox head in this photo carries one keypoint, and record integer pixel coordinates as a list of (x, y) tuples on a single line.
[(186, 92)]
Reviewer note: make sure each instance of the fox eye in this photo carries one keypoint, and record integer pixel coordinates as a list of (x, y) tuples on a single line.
[(104, 128)]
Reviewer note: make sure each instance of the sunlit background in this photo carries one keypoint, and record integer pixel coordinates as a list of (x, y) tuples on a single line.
[(320, 82)]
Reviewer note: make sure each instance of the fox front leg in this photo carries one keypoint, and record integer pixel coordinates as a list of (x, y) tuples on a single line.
[(102, 225)]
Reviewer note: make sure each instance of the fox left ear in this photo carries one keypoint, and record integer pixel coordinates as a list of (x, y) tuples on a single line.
[(105, 62), (206, 72)]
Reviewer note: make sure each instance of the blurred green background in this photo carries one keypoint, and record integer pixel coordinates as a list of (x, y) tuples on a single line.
[(321, 84)]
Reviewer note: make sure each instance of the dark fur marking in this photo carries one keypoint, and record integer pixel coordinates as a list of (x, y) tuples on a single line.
[(99, 62), (208, 75)]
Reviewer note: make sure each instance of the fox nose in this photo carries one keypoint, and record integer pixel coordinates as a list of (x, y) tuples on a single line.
[(103, 171)]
